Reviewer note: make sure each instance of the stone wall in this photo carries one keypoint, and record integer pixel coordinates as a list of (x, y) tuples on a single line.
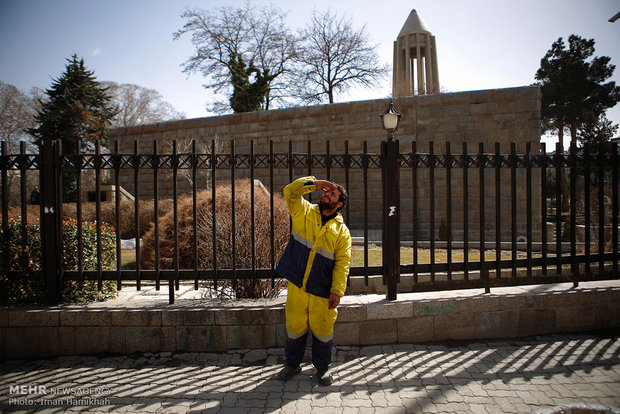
[(489, 116), (363, 320)]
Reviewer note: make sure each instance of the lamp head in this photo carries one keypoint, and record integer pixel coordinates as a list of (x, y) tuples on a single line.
[(390, 118)]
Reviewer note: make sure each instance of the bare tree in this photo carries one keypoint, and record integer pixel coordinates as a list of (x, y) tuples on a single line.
[(203, 144), (275, 51), (17, 111), (334, 56), (138, 105), (258, 36), (16, 115)]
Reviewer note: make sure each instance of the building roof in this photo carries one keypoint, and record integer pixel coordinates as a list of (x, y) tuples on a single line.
[(414, 24)]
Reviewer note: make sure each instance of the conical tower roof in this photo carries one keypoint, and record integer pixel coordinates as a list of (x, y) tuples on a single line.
[(414, 24)]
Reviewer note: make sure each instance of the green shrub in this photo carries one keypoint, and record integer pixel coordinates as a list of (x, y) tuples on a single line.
[(30, 290)]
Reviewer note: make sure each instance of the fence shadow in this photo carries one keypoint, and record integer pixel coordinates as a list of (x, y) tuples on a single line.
[(519, 375)]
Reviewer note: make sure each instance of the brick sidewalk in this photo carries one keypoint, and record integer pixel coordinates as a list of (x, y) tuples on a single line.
[(516, 376)]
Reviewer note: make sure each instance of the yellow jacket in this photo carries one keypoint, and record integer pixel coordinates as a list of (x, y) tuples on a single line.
[(317, 258)]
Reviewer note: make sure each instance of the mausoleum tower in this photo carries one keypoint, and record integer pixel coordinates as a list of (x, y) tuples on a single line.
[(415, 60)]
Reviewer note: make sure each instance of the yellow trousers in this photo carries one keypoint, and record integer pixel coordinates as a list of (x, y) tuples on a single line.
[(304, 310)]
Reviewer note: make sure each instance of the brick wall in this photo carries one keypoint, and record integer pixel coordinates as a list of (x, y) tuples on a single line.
[(489, 116)]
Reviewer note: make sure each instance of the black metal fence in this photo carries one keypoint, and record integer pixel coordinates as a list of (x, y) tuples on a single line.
[(589, 223)]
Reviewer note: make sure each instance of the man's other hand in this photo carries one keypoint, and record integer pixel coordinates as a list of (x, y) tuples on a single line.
[(333, 301)]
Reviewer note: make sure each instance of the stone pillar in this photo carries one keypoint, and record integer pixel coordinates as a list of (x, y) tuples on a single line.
[(408, 72), (418, 56), (428, 59), (435, 70)]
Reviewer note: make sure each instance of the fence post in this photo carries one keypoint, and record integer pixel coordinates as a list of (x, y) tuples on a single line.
[(390, 152), (49, 230), (4, 205)]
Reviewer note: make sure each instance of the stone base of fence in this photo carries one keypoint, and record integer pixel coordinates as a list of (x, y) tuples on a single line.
[(363, 320)]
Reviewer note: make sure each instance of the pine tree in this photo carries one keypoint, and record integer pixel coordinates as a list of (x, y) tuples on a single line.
[(572, 89), (572, 86), (76, 110)]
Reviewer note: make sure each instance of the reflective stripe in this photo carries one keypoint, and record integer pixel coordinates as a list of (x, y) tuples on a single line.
[(299, 238), (295, 336), (323, 338), (326, 254)]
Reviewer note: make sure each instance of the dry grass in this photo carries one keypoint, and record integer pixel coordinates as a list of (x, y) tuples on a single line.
[(424, 255), (223, 235), (406, 256)]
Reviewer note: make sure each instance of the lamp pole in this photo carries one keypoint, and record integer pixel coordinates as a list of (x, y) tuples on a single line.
[(391, 202)]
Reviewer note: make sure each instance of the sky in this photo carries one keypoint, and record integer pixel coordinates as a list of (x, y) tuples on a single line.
[(481, 44)]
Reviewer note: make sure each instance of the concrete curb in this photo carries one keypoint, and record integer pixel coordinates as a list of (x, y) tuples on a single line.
[(143, 322)]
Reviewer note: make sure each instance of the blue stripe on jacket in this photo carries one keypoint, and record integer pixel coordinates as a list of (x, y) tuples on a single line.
[(292, 266)]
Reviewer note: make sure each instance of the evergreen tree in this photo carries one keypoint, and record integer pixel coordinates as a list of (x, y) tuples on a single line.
[(76, 110), (596, 132), (248, 96), (572, 86), (573, 90)]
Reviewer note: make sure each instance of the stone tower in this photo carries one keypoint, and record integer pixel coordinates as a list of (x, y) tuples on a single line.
[(415, 60)]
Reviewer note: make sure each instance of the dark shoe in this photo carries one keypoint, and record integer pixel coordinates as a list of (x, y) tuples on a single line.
[(325, 377), (288, 372)]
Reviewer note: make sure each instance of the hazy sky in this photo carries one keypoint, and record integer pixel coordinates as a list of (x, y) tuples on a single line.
[(481, 44)]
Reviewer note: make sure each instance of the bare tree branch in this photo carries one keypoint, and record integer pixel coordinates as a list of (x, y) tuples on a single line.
[(333, 57), (258, 36), (138, 105)]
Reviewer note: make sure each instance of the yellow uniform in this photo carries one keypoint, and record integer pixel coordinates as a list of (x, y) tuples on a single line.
[(316, 263)]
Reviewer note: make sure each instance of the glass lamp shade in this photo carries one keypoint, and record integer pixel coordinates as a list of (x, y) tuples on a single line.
[(390, 118)]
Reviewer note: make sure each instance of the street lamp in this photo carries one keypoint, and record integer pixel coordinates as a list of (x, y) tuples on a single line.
[(390, 153), (390, 120)]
